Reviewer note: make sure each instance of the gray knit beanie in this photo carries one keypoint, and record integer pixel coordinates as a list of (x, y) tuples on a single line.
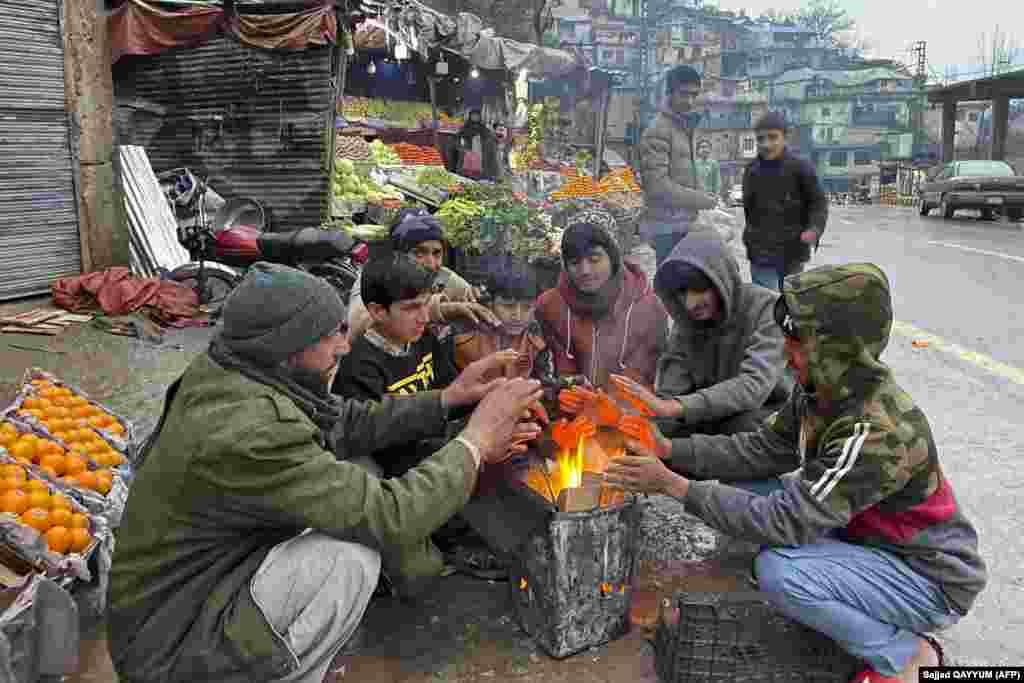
[(277, 311)]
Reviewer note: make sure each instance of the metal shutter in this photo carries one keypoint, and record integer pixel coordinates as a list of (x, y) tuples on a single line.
[(39, 239)]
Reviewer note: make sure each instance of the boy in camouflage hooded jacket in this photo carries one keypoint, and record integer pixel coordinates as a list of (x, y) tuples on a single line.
[(865, 540)]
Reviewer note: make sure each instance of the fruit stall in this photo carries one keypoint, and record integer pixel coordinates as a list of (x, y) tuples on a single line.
[(65, 467)]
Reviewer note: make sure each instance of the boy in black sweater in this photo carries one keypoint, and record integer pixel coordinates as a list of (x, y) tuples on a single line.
[(785, 208), (397, 354)]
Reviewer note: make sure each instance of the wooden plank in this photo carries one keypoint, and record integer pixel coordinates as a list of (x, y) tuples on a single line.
[(76, 318), (36, 315), (49, 332)]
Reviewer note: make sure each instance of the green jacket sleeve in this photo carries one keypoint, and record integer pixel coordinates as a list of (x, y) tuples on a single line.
[(272, 468), (368, 426), (769, 452)]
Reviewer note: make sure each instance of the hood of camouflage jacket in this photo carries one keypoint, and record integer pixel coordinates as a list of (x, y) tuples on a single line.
[(844, 316)]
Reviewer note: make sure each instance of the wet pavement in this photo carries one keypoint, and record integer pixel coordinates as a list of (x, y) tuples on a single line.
[(969, 378)]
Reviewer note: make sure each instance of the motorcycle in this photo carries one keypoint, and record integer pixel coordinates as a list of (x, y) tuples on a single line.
[(222, 248)]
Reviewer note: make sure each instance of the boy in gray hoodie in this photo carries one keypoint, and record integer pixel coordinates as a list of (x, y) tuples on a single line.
[(723, 371)]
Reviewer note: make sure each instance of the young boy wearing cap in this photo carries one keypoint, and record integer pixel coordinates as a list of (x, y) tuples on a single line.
[(785, 208), (419, 234), (512, 293), (602, 318)]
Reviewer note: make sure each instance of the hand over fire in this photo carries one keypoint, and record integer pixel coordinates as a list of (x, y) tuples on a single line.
[(643, 399), (641, 470), (469, 387), (572, 400), (499, 419)]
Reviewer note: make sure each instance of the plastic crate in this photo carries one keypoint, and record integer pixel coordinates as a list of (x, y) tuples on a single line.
[(731, 637)]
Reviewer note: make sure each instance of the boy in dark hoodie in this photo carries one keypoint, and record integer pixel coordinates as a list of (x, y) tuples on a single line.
[(863, 539), (785, 208), (723, 371), (602, 318)]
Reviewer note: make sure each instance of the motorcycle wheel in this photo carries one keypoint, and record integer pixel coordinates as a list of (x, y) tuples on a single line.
[(220, 280)]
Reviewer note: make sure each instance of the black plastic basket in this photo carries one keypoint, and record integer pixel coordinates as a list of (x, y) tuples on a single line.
[(740, 637)]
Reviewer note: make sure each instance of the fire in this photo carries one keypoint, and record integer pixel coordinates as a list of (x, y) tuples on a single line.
[(570, 466)]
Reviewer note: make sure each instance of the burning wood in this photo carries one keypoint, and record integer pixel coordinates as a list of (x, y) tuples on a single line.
[(583, 449)]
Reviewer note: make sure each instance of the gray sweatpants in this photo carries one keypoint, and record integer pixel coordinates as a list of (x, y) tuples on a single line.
[(314, 590)]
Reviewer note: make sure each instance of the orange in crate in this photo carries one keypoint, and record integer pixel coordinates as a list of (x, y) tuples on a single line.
[(80, 539), (61, 502), (58, 539), (37, 518), (61, 517), (14, 501)]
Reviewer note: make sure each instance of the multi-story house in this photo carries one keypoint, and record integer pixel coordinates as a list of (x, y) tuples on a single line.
[(853, 123)]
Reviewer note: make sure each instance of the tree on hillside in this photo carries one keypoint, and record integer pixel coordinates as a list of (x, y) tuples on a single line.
[(825, 18)]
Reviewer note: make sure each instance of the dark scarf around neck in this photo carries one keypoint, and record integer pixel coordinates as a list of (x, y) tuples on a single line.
[(318, 404)]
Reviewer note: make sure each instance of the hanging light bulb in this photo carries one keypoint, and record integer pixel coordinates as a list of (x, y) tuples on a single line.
[(350, 50), (442, 68), (401, 51), (372, 69), (475, 73)]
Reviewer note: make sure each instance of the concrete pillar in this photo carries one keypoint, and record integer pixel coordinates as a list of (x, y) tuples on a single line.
[(1000, 125), (102, 224), (948, 128)]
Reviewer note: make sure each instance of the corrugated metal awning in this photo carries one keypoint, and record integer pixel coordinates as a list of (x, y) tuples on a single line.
[(39, 239), (254, 121)]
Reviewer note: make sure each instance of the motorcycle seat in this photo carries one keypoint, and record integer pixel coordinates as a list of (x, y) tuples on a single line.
[(305, 245)]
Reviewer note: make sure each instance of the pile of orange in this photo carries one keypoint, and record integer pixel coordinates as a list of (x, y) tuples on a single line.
[(51, 514), (61, 410), (71, 467), (586, 186)]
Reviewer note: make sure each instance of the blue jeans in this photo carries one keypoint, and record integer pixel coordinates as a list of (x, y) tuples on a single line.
[(871, 602), (770, 277)]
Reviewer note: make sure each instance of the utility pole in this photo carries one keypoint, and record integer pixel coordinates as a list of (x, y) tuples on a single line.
[(920, 80)]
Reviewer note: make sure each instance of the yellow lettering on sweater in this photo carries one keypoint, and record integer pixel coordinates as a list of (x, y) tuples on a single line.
[(420, 380)]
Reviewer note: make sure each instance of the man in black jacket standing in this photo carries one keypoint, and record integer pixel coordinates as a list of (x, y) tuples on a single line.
[(785, 208)]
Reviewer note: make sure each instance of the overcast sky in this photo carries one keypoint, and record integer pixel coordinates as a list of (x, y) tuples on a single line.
[(950, 27)]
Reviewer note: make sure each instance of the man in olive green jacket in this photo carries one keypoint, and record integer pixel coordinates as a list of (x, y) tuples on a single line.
[(250, 547)]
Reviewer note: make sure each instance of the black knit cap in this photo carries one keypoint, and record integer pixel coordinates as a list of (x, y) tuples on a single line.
[(513, 283), (772, 121)]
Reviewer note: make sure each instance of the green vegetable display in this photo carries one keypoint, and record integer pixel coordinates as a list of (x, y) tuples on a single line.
[(383, 155), (461, 221), (350, 186), (437, 178)]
